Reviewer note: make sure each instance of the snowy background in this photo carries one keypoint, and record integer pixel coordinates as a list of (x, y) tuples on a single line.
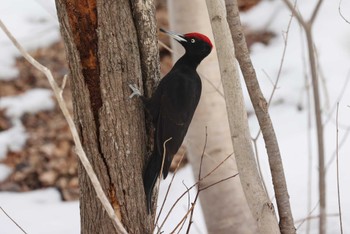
[(35, 25)]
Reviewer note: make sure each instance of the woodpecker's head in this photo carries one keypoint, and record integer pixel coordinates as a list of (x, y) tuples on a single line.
[(196, 44)]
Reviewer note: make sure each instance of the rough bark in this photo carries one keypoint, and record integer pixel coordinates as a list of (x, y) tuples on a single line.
[(104, 57), (146, 26), (261, 110), (224, 205)]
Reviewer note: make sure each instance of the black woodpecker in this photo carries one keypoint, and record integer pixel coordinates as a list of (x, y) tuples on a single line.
[(172, 105)]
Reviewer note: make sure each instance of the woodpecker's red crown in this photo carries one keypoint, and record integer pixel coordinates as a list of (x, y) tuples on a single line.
[(199, 36)]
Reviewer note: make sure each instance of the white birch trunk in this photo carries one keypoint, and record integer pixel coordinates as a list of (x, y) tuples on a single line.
[(224, 205)]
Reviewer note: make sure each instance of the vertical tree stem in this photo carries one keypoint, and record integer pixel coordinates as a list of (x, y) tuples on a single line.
[(319, 128), (261, 111), (260, 206)]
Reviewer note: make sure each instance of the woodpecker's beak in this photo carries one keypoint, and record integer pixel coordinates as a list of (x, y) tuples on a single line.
[(178, 37)]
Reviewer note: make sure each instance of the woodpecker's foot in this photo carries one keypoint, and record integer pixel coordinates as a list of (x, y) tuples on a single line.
[(135, 91)]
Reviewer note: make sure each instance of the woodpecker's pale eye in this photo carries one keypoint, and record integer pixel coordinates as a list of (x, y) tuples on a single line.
[(193, 40)]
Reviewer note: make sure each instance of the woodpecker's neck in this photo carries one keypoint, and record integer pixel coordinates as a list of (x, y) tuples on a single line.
[(189, 61)]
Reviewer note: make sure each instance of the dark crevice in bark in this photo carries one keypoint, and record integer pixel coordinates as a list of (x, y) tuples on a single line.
[(82, 17)]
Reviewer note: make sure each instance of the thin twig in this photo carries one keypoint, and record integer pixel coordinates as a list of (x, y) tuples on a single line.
[(200, 190), (195, 184), (315, 217), (165, 46), (255, 144), (339, 98), (323, 81), (163, 159), (79, 149), (199, 178), (202, 156), (183, 218), (309, 143), (341, 14), (217, 182), (168, 189), (307, 26), (285, 38), (340, 145), (315, 12), (64, 82), (188, 207), (192, 211), (309, 215), (292, 8), (8, 216), (338, 187)]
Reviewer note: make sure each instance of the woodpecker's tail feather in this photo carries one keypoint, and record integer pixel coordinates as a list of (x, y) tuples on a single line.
[(150, 178)]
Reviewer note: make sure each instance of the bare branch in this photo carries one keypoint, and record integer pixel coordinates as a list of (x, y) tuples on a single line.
[(309, 215), (165, 46), (8, 216), (79, 149), (341, 14), (168, 189), (338, 187), (314, 217), (307, 26), (315, 12), (340, 145), (199, 178), (195, 184), (188, 207), (164, 153), (217, 182), (339, 98), (258, 162), (286, 224), (297, 15), (275, 84), (63, 85), (183, 219)]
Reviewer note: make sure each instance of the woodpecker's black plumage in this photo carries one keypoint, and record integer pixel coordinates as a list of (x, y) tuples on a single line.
[(173, 104)]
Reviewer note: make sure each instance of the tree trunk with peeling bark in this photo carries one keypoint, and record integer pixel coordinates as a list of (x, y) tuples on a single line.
[(109, 45)]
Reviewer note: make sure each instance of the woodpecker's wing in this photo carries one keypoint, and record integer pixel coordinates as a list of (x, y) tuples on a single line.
[(152, 106), (179, 99)]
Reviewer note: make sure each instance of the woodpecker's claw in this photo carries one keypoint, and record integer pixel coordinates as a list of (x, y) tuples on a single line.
[(135, 91)]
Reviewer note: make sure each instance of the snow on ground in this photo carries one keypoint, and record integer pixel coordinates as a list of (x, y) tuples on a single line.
[(12, 139), (32, 25), (42, 212), (5, 171), (32, 101), (39, 212)]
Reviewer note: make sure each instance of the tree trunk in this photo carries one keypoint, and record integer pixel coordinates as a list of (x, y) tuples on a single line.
[(104, 57), (224, 205), (261, 110), (260, 205)]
